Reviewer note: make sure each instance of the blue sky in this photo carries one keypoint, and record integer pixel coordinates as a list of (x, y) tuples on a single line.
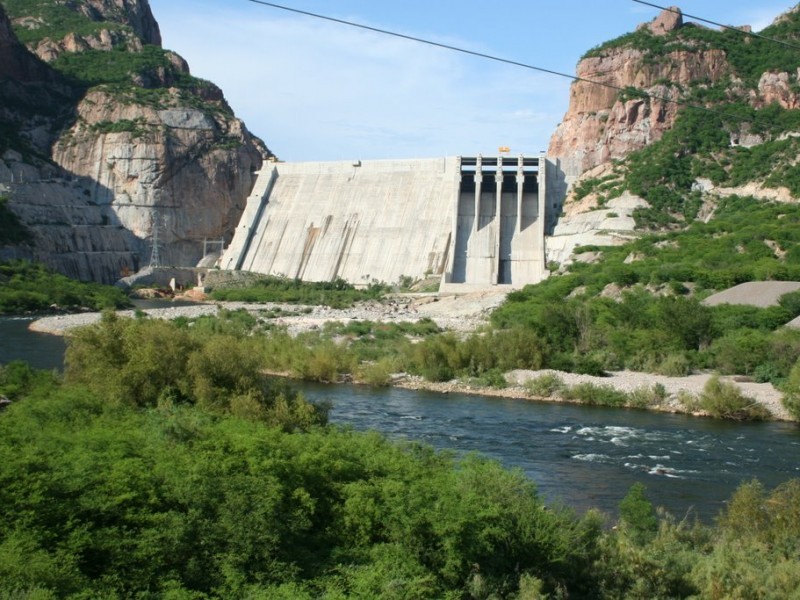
[(314, 90)]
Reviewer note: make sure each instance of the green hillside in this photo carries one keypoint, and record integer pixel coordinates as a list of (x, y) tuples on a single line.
[(650, 317), (134, 72)]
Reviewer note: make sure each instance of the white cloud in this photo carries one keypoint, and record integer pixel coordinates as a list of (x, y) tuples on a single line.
[(315, 91)]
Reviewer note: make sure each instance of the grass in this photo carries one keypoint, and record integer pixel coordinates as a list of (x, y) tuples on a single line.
[(336, 294), (31, 287)]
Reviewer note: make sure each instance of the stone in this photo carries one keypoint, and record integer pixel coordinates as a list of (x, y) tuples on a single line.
[(600, 127), (94, 205), (669, 20)]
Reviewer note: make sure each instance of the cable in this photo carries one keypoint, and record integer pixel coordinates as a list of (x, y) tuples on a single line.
[(495, 58), (739, 29)]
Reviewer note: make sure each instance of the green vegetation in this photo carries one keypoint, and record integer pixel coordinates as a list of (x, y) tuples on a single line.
[(30, 287), (749, 56), (136, 127), (117, 66), (150, 363), (653, 323), (53, 20), (550, 385), (699, 146), (151, 471), (724, 400), (142, 77), (336, 294)]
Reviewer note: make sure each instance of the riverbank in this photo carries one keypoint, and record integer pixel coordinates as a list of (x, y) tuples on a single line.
[(623, 381), (457, 313)]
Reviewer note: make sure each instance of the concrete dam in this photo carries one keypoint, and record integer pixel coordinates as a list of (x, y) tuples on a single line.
[(475, 222)]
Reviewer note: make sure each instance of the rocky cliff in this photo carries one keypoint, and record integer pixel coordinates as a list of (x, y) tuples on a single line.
[(631, 92), (604, 122), (106, 159), (624, 97)]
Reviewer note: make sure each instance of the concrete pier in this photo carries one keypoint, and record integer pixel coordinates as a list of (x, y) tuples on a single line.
[(475, 222), (499, 233)]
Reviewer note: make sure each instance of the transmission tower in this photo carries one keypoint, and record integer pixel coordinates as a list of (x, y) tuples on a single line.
[(155, 259)]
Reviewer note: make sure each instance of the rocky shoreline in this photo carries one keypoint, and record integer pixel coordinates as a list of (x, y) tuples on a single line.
[(464, 313)]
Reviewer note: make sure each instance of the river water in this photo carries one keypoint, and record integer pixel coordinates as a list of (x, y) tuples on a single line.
[(580, 456)]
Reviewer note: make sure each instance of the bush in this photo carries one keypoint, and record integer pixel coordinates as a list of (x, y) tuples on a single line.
[(595, 395), (437, 358), (675, 365), (28, 287), (148, 363), (493, 378), (376, 374), (336, 294), (546, 385), (637, 515), (725, 400), (177, 502), (644, 397)]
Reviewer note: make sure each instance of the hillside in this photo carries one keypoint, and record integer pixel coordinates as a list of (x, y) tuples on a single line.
[(672, 201), (106, 136), (693, 116)]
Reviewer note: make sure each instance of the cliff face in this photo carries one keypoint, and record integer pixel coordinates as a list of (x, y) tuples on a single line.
[(602, 124), (629, 94), (99, 167)]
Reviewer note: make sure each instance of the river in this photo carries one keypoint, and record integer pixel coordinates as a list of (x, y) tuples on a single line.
[(580, 456)]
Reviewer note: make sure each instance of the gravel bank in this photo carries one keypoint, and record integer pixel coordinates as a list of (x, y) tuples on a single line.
[(458, 313)]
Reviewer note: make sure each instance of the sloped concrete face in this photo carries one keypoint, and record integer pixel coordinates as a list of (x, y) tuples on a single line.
[(363, 222), (384, 220)]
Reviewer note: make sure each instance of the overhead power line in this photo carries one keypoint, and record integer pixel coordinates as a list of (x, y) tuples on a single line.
[(507, 61), (731, 27)]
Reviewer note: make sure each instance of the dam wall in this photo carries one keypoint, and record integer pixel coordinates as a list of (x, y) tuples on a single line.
[(475, 222)]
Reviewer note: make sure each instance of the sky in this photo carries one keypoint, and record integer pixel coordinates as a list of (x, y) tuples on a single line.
[(317, 90)]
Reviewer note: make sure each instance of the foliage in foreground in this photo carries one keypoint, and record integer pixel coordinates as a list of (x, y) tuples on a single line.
[(30, 287), (176, 499), (148, 363), (115, 499)]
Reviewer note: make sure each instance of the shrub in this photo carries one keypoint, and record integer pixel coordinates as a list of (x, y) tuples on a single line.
[(148, 363), (493, 378), (376, 374), (725, 400), (595, 395), (644, 396), (546, 385), (436, 358), (637, 515), (28, 286), (675, 365)]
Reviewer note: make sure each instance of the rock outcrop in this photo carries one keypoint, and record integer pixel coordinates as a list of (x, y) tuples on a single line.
[(17, 64), (669, 20), (605, 121), (97, 172), (624, 96)]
